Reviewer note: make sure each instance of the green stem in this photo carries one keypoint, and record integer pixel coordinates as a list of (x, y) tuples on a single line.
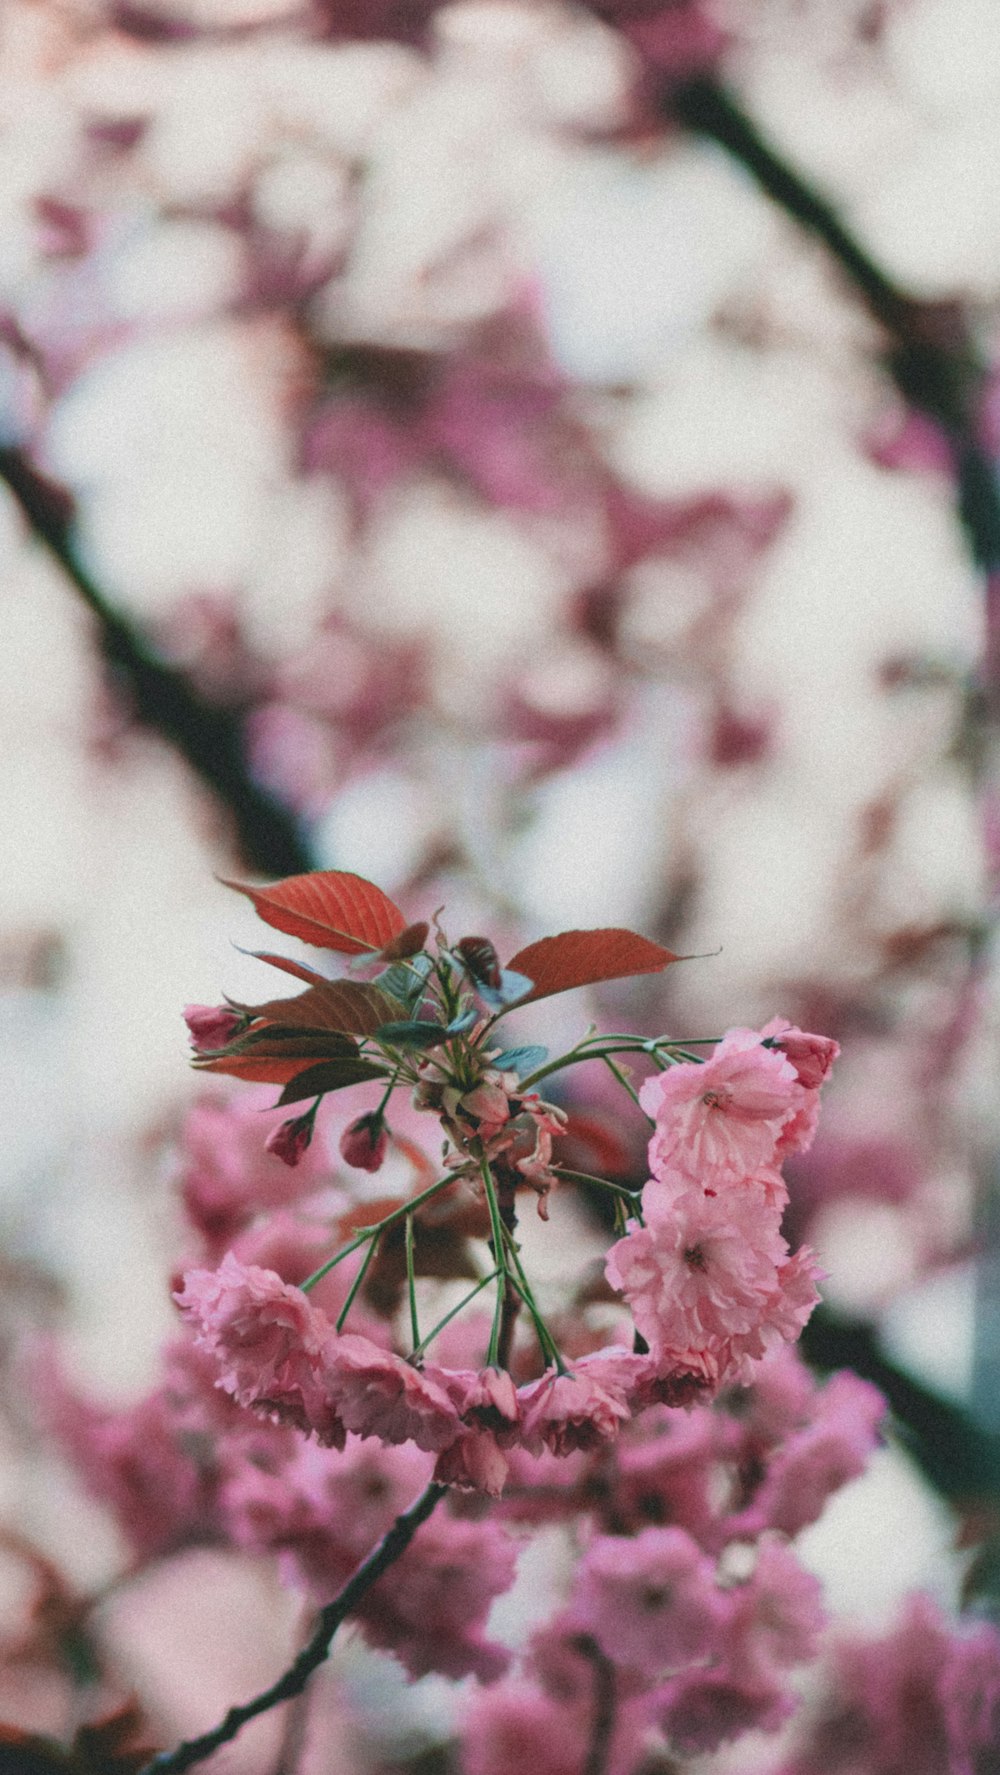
[(411, 1283), (368, 1232), (428, 1339), (497, 1241), (523, 1287), (619, 1189), (616, 1071), (357, 1284)]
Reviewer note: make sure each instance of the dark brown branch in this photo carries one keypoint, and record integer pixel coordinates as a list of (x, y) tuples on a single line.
[(932, 357), (602, 1723), (208, 737), (388, 1550)]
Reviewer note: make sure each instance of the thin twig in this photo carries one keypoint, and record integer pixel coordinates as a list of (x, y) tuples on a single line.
[(933, 359), (209, 737), (381, 1557), (603, 1720)]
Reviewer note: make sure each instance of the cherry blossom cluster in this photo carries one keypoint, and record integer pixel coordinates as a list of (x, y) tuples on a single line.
[(702, 1264)]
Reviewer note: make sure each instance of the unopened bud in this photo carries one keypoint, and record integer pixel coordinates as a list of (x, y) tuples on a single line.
[(211, 1026), (289, 1141), (481, 959), (363, 1143)]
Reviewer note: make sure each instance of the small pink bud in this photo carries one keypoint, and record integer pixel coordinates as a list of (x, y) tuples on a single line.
[(289, 1141), (811, 1055), (211, 1026), (363, 1143)]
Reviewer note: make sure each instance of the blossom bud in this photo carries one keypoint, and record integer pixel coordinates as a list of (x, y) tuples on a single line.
[(363, 1143), (289, 1141), (211, 1026), (811, 1055), (481, 959)]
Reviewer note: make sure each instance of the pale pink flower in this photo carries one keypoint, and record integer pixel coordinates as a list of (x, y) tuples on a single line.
[(565, 1412), (474, 1462), (378, 1394), (833, 1447), (211, 1026), (720, 1121), (485, 1398), (811, 1055), (778, 1613), (709, 1277), (432, 1606), (514, 1727), (649, 1600), (267, 1340)]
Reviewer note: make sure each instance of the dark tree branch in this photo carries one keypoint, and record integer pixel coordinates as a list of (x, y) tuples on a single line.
[(208, 737), (932, 357), (602, 1723), (313, 1654)]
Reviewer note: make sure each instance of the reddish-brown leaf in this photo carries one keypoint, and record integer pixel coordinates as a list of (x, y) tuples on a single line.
[(329, 908), (255, 1069), (581, 958), (270, 1042), (287, 966), (350, 1006), (409, 942), (331, 1075)]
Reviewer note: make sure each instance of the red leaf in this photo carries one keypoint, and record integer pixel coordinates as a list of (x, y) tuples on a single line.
[(254, 1068), (409, 942), (580, 958), (298, 968), (329, 908), (345, 1005)]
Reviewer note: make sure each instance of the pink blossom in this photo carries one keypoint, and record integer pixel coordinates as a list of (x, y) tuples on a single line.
[(720, 1121), (378, 1394), (811, 1055), (649, 1600), (564, 1412), (364, 1142), (704, 1709), (267, 1340), (709, 1276), (431, 1607), (483, 1397), (833, 1446), (515, 1727), (475, 1461), (226, 1174), (211, 1026)]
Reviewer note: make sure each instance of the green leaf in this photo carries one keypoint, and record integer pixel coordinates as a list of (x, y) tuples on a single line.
[(332, 1075), (412, 1035)]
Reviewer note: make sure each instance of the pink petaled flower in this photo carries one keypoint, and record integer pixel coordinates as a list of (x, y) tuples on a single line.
[(565, 1412), (485, 1398), (833, 1447), (474, 1462), (431, 1608), (811, 1055), (720, 1121), (649, 1600), (705, 1709), (267, 1340), (514, 1726), (778, 1613), (226, 1172), (378, 1394), (709, 1279), (290, 1139), (364, 1142), (211, 1026)]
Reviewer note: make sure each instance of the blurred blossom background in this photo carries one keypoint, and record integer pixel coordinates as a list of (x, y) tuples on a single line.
[(541, 457)]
